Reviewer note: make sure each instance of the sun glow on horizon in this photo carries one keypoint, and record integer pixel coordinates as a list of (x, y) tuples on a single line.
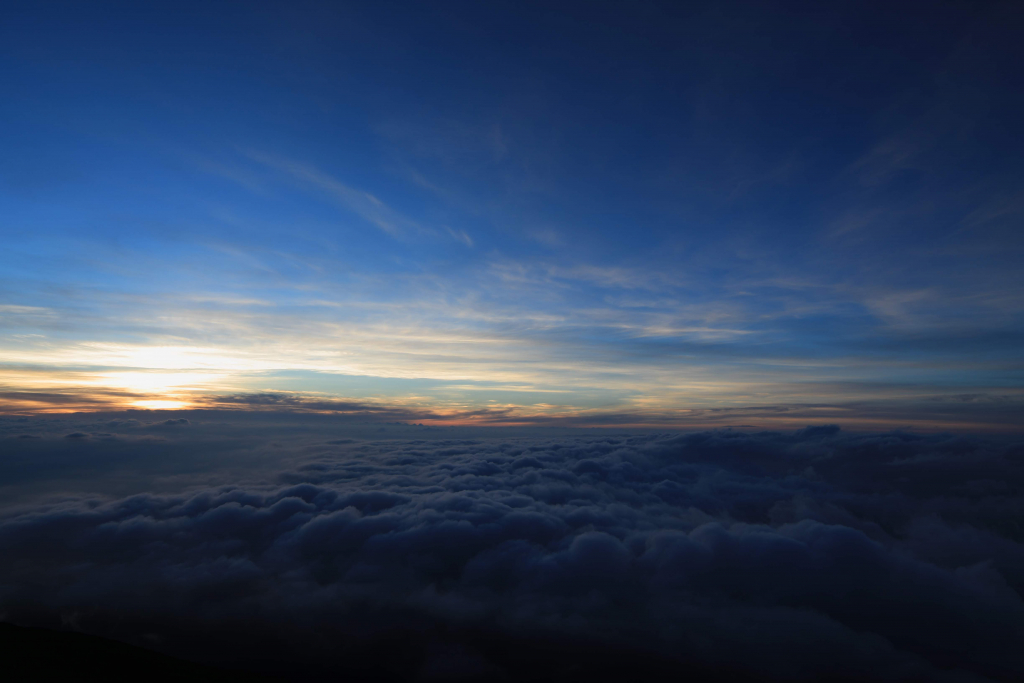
[(158, 382), (162, 404)]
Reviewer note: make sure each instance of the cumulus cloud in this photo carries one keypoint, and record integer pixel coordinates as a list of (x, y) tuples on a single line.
[(796, 555)]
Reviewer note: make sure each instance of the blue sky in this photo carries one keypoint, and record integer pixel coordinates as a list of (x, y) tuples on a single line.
[(622, 213)]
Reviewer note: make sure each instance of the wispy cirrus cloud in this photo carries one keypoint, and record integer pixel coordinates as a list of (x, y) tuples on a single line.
[(359, 202), (638, 342)]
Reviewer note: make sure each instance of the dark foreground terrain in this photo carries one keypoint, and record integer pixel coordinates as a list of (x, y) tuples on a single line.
[(31, 654)]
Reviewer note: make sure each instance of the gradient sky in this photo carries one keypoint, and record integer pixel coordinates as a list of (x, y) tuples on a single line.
[(594, 213)]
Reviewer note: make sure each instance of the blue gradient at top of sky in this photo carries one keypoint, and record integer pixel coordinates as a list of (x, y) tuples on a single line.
[(554, 207)]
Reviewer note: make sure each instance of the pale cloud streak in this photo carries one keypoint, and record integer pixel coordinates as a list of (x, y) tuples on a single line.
[(359, 202)]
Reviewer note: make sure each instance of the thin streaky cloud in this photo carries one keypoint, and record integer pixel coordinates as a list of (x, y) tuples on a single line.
[(360, 202)]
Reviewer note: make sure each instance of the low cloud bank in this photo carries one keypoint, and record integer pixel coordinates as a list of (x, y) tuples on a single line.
[(790, 556), (965, 413)]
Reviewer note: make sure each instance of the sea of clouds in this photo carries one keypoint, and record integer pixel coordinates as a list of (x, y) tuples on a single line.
[(405, 553)]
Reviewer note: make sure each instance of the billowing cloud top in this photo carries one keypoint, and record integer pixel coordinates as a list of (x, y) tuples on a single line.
[(415, 553)]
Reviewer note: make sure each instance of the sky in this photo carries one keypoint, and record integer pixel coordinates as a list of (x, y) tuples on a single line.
[(635, 214)]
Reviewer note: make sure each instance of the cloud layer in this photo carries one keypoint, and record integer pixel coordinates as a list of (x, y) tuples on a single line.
[(785, 555)]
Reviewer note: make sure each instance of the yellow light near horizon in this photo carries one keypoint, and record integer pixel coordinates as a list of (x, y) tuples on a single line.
[(150, 382), (161, 404), (162, 357)]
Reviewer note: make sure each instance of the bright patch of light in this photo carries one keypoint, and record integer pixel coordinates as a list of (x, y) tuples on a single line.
[(161, 405), (156, 382)]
